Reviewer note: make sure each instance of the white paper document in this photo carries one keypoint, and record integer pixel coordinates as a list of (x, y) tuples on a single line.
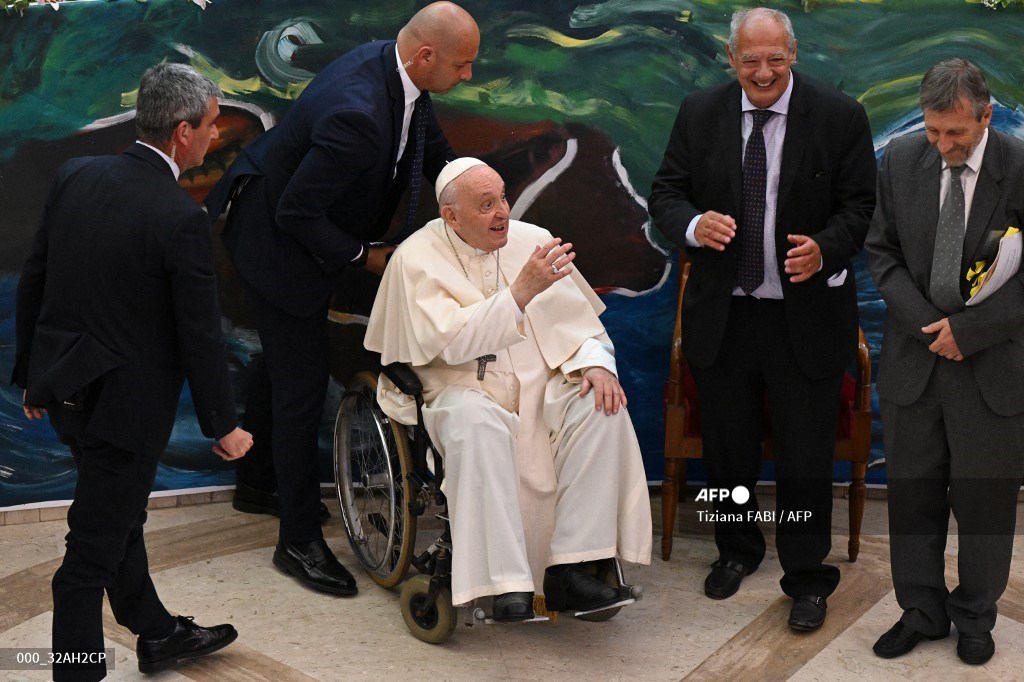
[(1005, 266)]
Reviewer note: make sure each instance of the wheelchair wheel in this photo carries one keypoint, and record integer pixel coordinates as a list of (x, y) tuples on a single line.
[(437, 624), (371, 465), (605, 572)]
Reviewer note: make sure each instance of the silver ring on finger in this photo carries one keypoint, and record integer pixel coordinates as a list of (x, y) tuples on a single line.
[(554, 268)]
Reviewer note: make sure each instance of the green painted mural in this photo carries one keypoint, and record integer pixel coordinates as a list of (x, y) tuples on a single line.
[(572, 102)]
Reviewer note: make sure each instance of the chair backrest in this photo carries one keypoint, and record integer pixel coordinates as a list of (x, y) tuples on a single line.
[(680, 393), (677, 362)]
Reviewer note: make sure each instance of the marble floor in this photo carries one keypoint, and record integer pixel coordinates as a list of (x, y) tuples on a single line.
[(214, 563)]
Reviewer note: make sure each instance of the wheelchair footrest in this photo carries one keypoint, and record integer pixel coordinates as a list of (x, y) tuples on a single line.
[(475, 614), (618, 604), (628, 594)]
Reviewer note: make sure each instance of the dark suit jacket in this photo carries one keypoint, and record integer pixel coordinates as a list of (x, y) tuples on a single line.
[(323, 180), (900, 246), (117, 303), (826, 191)]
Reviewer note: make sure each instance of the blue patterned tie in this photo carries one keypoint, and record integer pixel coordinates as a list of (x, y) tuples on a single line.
[(750, 235), (944, 286), (419, 127)]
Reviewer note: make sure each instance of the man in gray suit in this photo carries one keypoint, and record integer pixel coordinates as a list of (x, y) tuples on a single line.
[(951, 376)]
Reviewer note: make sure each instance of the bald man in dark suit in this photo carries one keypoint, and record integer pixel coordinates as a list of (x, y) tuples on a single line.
[(311, 198)]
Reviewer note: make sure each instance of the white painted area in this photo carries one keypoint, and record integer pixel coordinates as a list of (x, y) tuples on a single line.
[(534, 189)]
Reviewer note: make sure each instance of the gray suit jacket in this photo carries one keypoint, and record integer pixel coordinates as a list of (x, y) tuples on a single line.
[(900, 246)]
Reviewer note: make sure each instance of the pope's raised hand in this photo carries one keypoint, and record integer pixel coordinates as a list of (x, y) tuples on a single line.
[(548, 264)]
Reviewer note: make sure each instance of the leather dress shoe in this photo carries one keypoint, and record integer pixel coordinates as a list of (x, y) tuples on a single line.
[(975, 648), (314, 565), (253, 501), (572, 588), (808, 612), (513, 606), (725, 578), (901, 639), (187, 641)]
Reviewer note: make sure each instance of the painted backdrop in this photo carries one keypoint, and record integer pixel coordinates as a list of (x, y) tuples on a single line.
[(571, 102)]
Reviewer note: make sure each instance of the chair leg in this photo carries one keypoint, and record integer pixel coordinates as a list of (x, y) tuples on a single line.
[(669, 500), (858, 491)]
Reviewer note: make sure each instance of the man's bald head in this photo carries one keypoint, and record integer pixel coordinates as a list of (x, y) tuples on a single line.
[(438, 46)]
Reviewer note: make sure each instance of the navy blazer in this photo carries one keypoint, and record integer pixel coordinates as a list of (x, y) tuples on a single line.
[(117, 305), (323, 181), (826, 191)]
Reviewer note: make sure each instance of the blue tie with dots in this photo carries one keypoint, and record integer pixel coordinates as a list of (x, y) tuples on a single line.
[(419, 128), (944, 286), (750, 234)]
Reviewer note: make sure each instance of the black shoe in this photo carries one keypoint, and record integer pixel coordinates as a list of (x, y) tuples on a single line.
[(314, 565), (975, 648), (571, 588), (901, 639), (252, 501), (808, 612), (187, 641), (725, 578), (512, 607)]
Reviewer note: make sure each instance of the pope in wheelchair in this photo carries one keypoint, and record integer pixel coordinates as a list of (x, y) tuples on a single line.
[(543, 474)]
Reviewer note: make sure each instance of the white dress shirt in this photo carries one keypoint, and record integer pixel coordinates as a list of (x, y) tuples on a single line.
[(169, 160), (968, 179), (411, 95), (774, 132)]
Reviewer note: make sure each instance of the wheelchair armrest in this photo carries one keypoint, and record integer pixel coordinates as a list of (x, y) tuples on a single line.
[(404, 378)]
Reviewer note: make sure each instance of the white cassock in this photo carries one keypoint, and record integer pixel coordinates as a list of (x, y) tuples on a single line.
[(582, 490)]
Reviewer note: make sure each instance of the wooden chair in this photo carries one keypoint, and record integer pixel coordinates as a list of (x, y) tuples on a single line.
[(683, 439)]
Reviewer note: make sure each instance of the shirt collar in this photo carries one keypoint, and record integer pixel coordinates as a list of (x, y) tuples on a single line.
[(781, 105), (409, 88), (169, 160), (461, 247), (974, 160)]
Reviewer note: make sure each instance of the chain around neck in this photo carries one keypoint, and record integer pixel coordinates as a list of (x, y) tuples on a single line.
[(497, 260)]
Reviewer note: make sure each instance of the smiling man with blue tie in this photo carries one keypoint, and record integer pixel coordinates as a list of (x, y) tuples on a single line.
[(768, 182), (308, 198)]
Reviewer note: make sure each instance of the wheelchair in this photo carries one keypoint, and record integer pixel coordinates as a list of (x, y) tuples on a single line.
[(384, 485)]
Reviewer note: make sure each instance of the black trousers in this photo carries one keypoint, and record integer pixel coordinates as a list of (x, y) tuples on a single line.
[(757, 362), (256, 469), (295, 374), (105, 552), (949, 452)]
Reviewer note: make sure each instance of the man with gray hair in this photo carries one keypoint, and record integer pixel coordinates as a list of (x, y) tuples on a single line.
[(543, 479), (768, 183), (117, 306), (952, 369)]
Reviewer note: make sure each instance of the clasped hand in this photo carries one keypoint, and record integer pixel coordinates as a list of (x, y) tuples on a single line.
[(944, 343)]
